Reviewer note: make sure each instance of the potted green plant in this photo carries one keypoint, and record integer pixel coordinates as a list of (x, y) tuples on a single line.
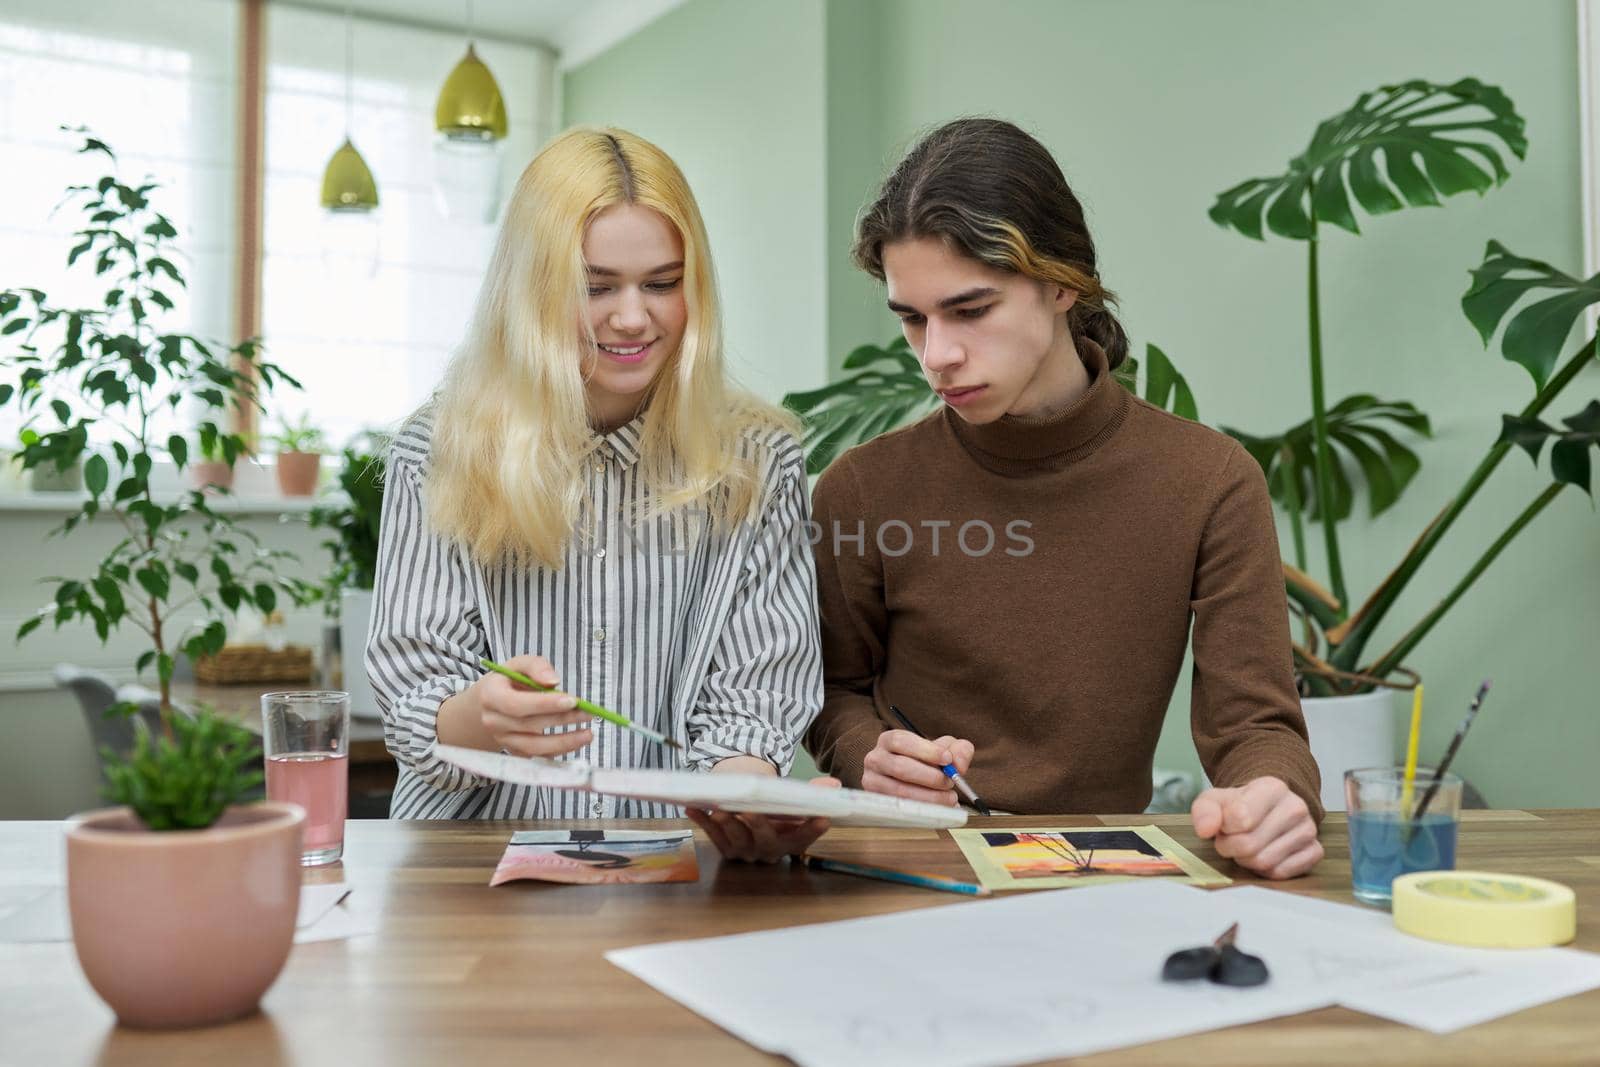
[(213, 471), (211, 886), (300, 446), (1410, 144), (183, 900), (347, 591), (53, 477)]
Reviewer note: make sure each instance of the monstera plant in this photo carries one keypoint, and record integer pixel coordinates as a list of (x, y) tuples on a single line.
[(1407, 145), (887, 389)]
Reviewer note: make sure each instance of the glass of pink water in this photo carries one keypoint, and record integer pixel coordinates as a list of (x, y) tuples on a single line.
[(305, 737)]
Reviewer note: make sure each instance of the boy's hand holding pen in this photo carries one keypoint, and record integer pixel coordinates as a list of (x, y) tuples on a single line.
[(906, 764)]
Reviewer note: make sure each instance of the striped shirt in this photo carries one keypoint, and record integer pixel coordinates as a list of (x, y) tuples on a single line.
[(709, 637)]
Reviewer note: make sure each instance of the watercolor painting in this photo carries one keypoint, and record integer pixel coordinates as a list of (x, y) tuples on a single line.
[(1052, 858), (596, 857), (1080, 854)]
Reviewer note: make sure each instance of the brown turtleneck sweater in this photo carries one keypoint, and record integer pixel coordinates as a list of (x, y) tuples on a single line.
[(1030, 585)]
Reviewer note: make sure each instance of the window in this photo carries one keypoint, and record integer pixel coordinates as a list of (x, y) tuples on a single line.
[(366, 312), (156, 82)]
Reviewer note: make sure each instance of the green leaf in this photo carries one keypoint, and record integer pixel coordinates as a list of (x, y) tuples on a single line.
[(153, 581), (1569, 454), (111, 594), (95, 475), (266, 597), (29, 626), (1427, 140), (1166, 388), (94, 144), (1535, 336), (178, 448), (1360, 435), (1527, 434), (888, 389), (1569, 462), (215, 636)]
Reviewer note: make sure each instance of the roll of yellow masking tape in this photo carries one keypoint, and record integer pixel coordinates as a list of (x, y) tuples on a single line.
[(1484, 909)]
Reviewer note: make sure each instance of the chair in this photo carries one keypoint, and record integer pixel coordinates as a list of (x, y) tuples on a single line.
[(96, 696), (116, 732)]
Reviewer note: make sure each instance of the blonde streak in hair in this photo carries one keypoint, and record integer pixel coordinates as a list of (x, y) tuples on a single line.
[(1021, 256)]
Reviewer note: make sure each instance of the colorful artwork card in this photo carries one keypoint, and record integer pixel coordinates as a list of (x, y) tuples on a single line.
[(1072, 856), (595, 857)]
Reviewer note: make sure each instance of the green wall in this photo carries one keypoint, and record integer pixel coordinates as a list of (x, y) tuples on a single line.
[(733, 91), (1152, 108)]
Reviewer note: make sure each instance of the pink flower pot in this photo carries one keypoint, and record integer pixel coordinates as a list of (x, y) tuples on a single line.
[(297, 472), (184, 927), (209, 473)]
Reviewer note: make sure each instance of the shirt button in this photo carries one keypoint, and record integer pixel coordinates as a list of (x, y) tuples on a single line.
[(599, 466), (600, 633), (597, 809), (599, 553)]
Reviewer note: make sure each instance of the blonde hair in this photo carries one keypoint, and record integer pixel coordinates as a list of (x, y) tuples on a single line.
[(510, 423)]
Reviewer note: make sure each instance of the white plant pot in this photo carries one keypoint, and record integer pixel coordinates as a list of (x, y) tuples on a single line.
[(355, 616), (1350, 732)]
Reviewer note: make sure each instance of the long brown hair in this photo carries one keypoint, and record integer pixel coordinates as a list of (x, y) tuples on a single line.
[(995, 194)]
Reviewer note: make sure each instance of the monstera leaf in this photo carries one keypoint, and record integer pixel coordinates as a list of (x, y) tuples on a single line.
[(1535, 335), (887, 390), (1569, 456), (1361, 433), (1412, 143), (1163, 385)]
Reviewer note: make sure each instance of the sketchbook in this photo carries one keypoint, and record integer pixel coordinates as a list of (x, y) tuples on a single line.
[(692, 789)]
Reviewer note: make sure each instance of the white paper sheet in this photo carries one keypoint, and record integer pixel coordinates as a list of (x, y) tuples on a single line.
[(40, 914), (1016, 980), (33, 913), (1486, 984)]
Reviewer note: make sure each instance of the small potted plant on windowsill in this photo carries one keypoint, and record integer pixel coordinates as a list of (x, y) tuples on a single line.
[(300, 448), (213, 472), (49, 478)]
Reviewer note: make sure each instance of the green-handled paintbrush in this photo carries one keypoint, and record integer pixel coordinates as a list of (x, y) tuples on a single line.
[(583, 705)]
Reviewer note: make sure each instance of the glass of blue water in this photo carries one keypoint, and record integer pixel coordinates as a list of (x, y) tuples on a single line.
[(1387, 841)]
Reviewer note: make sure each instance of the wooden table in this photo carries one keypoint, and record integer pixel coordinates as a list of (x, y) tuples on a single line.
[(461, 973)]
